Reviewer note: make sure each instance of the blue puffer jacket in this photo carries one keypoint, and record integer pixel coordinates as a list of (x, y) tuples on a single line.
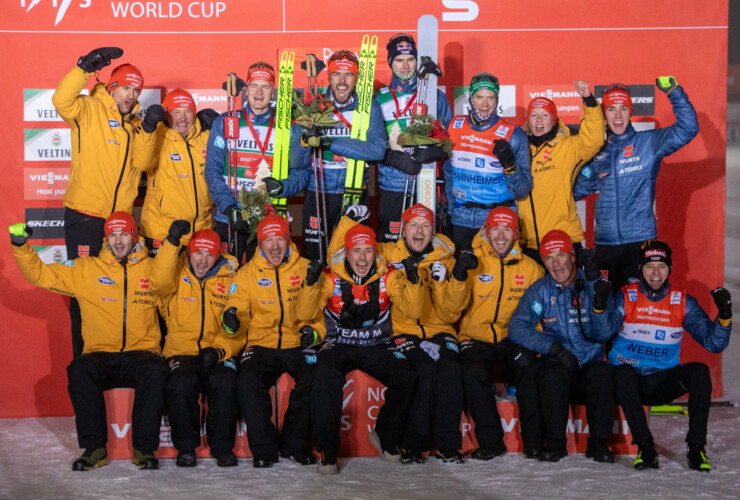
[(389, 178), (519, 184), (551, 306), (710, 334), (624, 173), (216, 154), (371, 149)]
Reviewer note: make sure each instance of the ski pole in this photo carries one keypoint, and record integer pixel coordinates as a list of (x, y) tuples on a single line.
[(318, 208), (231, 133), (323, 201)]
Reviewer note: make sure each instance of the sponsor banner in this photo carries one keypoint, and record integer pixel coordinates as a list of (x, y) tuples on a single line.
[(506, 101), (565, 97), (47, 223), (643, 98), (148, 97), (37, 105), (52, 254), (45, 183), (47, 144), (211, 98), (362, 399)]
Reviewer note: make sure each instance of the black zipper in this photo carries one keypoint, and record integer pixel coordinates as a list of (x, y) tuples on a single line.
[(79, 137), (123, 167), (423, 332), (282, 310), (202, 310), (498, 304), (195, 189), (125, 302)]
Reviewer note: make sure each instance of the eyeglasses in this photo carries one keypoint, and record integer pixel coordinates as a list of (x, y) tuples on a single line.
[(616, 86), (484, 77), (261, 64), (344, 55)]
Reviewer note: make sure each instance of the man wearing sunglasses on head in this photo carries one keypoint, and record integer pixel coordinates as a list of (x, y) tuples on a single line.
[(625, 172)]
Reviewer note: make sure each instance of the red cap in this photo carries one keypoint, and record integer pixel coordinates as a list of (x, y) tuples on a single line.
[(121, 222), (343, 60), (261, 71), (273, 225), (417, 210), (546, 104), (205, 240), (556, 241), (178, 98), (126, 74), (502, 216), (616, 94), (359, 235)]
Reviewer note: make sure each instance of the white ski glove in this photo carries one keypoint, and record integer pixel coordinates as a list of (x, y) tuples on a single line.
[(439, 271)]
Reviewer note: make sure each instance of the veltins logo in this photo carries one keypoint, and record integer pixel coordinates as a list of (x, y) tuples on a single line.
[(51, 144), (44, 183), (37, 105)]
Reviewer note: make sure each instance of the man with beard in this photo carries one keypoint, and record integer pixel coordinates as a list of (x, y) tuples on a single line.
[(647, 367), (120, 332), (489, 166)]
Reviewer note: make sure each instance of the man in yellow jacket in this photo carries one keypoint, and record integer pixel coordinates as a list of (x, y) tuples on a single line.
[(355, 295), (430, 342), (263, 303), (193, 287), (176, 184), (486, 287), (120, 331), (110, 146), (557, 159)]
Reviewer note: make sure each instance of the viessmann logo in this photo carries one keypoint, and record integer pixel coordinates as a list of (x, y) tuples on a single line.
[(136, 10)]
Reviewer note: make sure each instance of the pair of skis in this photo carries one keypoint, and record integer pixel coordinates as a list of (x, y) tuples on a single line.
[(283, 112), (361, 119)]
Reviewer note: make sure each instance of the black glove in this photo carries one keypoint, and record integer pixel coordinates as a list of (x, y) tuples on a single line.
[(309, 337), (19, 234), (274, 187), (502, 151), (313, 271), (230, 321), (178, 229), (98, 59), (586, 259), (465, 262), (427, 153), (428, 67), (666, 83), (358, 213), (411, 266), (206, 117), (723, 301), (602, 289), (154, 115), (402, 161), (237, 221), (311, 137), (210, 356), (239, 85), (325, 142), (564, 356)]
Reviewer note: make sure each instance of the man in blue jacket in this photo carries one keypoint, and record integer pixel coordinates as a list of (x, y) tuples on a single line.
[(625, 172), (489, 166), (397, 104), (569, 305), (336, 148), (649, 318)]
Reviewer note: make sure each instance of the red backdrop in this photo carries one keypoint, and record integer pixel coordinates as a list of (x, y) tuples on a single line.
[(533, 46)]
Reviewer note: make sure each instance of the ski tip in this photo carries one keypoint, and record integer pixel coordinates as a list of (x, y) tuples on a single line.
[(291, 57), (284, 57), (365, 39), (374, 40)]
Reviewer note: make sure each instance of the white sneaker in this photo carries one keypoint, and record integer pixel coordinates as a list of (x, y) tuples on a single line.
[(385, 455)]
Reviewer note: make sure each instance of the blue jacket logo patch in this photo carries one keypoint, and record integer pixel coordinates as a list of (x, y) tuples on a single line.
[(232, 289), (485, 278), (175, 157), (113, 124), (537, 308), (105, 280), (264, 282)]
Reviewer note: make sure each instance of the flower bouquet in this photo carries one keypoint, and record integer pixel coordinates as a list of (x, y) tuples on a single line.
[(255, 205), (424, 129), (313, 109)]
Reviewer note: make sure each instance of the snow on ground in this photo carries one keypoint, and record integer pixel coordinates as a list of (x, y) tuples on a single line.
[(37, 453)]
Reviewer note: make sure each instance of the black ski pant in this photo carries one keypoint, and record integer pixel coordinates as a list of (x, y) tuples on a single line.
[(185, 383), (622, 262), (382, 362), (462, 237), (242, 250), (259, 369), (634, 390), (83, 236), (436, 410), (90, 374), (313, 228), (593, 386), (478, 359), (390, 208)]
